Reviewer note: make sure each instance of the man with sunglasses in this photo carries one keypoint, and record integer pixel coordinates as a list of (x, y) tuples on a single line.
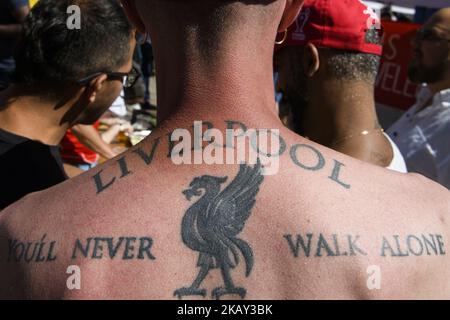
[(423, 133), (63, 77)]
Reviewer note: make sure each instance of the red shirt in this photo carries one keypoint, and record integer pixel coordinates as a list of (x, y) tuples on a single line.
[(74, 152)]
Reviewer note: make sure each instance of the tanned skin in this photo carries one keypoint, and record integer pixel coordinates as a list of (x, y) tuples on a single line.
[(136, 211), (337, 110)]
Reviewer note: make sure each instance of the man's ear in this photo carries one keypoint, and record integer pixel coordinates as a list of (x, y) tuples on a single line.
[(129, 7), (311, 60), (94, 87), (291, 12)]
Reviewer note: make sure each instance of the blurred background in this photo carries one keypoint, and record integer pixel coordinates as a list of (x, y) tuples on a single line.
[(401, 20)]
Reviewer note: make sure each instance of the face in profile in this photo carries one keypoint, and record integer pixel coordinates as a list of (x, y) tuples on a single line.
[(110, 90), (431, 53)]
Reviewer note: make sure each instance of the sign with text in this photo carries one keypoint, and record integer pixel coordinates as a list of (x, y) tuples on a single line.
[(393, 87)]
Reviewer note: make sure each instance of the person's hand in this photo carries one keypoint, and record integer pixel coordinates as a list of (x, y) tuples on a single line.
[(126, 127)]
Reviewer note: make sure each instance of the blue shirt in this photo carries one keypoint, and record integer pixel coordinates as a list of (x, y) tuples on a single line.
[(7, 7)]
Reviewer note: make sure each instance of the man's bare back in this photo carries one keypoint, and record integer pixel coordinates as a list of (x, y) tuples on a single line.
[(140, 227)]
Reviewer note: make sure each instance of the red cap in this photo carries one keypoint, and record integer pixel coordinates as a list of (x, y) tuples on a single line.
[(338, 24)]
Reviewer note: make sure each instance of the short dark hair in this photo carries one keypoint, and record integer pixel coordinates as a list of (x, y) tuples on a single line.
[(51, 53), (350, 65)]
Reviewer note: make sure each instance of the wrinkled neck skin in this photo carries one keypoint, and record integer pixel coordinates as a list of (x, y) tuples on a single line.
[(338, 113)]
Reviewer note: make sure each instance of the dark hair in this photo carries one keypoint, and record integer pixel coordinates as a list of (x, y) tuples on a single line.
[(51, 53), (350, 65)]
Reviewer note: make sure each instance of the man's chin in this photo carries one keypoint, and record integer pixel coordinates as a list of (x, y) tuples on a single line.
[(91, 117), (88, 120), (413, 75), (419, 74), (416, 75)]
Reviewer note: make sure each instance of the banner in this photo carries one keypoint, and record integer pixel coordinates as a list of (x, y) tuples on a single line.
[(393, 87)]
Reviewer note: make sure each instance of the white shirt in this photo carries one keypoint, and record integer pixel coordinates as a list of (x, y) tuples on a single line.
[(398, 162), (423, 136), (118, 107)]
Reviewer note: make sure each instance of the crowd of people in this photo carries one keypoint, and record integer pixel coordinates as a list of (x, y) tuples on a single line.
[(349, 193)]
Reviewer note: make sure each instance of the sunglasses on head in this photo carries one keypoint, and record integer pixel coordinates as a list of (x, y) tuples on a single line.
[(128, 79)]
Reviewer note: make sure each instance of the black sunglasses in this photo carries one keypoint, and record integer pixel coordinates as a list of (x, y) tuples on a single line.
[(128, 79), (429, 35)]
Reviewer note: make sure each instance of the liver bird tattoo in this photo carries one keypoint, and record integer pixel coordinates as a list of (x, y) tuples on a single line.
[(212, 224)]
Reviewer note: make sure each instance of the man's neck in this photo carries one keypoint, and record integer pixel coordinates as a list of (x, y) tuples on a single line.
[(236, 87), (31, 117), (345, 119)]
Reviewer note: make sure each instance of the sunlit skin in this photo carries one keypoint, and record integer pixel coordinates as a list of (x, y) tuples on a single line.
[(331, 110)]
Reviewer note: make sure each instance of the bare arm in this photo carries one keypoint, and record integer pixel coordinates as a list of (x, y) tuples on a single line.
[(115, 125), (111, 133), (92, 139)]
